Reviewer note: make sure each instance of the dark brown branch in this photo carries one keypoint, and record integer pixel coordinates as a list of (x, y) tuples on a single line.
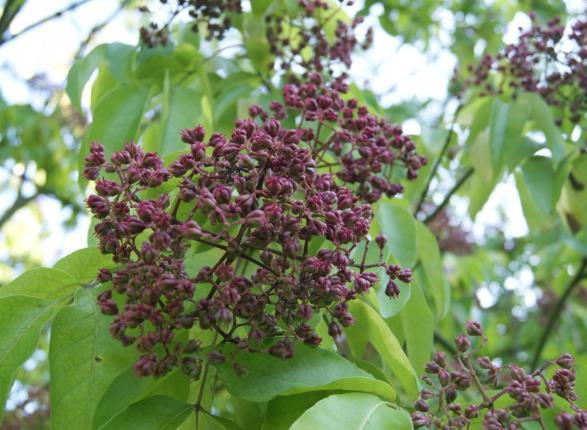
[(437, 162), (42, 21), (554, 316), (448, 196)]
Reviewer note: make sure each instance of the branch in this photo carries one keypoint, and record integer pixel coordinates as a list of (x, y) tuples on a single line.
[(9, 12), (447, 198), (19, 203), (560, 304), (42, 21), (442, 341), (438, 161), (97, 28)]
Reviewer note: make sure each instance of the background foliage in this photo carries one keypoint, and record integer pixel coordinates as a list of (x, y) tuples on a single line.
[(527, 289)]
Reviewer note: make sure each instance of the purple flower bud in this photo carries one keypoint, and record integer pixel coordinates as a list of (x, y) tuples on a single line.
[(473, 328), (566, 361), (462, 342)]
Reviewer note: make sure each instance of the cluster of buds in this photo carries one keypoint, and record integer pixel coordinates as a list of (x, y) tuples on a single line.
[(545, 60), (307, 38), (507, 396), (303, 43), (212, 16), (286, 224), (361, 149)]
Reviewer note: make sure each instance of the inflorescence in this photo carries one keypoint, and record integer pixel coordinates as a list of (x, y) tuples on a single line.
[(285, 206), (509, 396), (545, 60)]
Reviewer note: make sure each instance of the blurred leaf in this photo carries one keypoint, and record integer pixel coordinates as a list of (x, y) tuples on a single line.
[(21, 321), (371, 326), (353, 411), (84, 359), (154, 413), (41, 283), (398, 225)]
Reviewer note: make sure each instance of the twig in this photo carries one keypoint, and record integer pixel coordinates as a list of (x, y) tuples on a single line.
[(442, 341), (560, 304), (42, 21), (437, 162), (447, 198)]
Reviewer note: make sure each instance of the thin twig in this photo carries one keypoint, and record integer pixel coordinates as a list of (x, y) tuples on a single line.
[(447, 198), (560, 304), (437, 162), (42, 21)]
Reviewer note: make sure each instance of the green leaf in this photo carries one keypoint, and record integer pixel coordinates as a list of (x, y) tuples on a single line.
[(83, 264), (182, 109), (21, 321), (80, 73), (118, 58), (310, 369), (505, 129), (282, 411), (116, 120), (129, 388), (398, 225), (371, 326), (154, 413), (418, 326), (41, 283), (429, 255), (543, 120), (538, 176), (353, 411), (84, 359)]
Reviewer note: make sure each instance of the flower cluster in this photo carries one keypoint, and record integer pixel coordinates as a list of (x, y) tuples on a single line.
[(360, 148), (544, 60), (213, 16), (304, 43), (509, 396), (308, 37), (285, 221)]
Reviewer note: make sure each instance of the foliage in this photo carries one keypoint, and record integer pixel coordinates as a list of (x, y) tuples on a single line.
[(277, 253)]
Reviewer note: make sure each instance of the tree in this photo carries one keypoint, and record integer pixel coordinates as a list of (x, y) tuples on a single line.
[(269, 249)]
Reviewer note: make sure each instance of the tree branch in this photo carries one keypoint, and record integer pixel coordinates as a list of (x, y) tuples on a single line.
[(447, 198), (42, 21), (438, 161), (560, 304), (19, 203)]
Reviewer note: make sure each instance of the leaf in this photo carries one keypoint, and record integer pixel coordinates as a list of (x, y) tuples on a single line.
[(116, 120), (353, 411), (310, 369), (398, 225), (357, 383), (538, 176), (505, 129), (41, 283), (543, 120), (80, 73), (418, 328), (129, 388), (154, 413), (431, 260), (83, 264), (118, 58), (282, 411), (83, 361), (183, 109), (21, 321), (371, 326)]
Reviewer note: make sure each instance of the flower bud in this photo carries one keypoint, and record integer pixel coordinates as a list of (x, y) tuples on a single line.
[(473, 328), (566, 361), (462, 342)]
